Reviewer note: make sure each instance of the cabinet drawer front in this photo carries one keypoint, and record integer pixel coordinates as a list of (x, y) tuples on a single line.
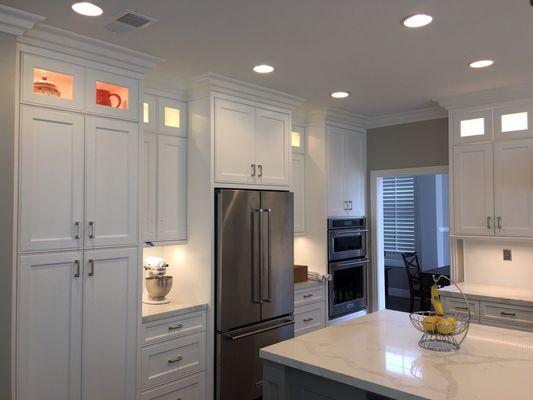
[(506, 315), (303, 297), (167, 361), (172, 328), (190, 388), (308, 318), (458, 306)]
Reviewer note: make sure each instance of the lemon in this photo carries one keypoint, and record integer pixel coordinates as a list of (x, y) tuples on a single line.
[(446, 326), (430, 323)]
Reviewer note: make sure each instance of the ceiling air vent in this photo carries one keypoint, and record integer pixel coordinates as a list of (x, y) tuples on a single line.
[(127, 21)]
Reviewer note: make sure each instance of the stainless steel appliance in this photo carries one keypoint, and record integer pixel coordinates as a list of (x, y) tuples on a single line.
[(158, 285), (254, 285), (347, 245), (346, 238)]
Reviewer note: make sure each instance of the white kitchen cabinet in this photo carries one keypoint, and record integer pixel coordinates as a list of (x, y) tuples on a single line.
[(51, 179), (149, 188), (513, 122), (272, 147), (110, 310), (189, 388), (252, 145), (346, 172), (309, 307), (471, 126), (513, 187), (49, 342), (149, 112), (111, 165), (172, 188), (298, 188), (473, 189), (172, 117)]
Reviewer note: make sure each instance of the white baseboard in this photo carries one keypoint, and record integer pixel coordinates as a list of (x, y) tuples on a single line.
[(398, 292)]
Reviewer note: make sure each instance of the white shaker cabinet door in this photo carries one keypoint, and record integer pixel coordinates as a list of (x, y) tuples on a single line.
[(51, 179), (337, 203), (110, 324), (272, 147), (513, 187), (298, 187), (355, 172), (172, 188), (234, 142), (49, 325), (473, 202), (148, 187), (111, 181)]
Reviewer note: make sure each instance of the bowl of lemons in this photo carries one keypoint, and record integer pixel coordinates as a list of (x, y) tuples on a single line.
[(442, 330)]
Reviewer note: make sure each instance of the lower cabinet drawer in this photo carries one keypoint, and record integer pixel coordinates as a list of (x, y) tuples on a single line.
[(173, 327), (306, 296), (308, 318), (171, 360), (507, 315), (458, 306), (190, 388)]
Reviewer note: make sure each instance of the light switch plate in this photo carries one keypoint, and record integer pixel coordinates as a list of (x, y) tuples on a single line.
[(507, 255)]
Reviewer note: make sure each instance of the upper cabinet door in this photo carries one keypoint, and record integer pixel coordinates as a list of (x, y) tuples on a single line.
[(52, 83), (111, 181), (50, 326), (172, 117), (234, 142), (149, 113), (513, 184), (355, 172), (172, 188), (337, 203), (473, 203), (272, 147), (111, 94), (110, 324), (471, 126), (51, 179), (298, 187), (513, 122), (148, 187)]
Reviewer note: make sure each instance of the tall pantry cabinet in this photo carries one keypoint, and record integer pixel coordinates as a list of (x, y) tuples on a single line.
[(78, 244)]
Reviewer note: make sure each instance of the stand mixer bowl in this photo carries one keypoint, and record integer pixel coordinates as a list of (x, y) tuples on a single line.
[(158, 286)]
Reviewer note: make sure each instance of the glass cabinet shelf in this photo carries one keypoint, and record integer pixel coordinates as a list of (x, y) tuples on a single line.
[(52, 83)]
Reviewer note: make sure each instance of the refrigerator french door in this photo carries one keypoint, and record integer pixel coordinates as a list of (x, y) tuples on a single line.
[(254, 285)]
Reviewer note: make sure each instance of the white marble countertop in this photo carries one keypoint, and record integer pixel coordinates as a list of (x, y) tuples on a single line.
[(490, 293), (307, 284), (379, 353), (152, 312)]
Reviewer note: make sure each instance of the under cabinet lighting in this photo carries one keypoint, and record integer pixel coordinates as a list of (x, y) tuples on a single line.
[(296, 139), (88, 9), (146, 113), (172, 117), (514, 122), (472, 127), (417, 20)]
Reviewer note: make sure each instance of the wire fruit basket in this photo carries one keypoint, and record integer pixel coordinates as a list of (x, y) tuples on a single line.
[(443, 332)]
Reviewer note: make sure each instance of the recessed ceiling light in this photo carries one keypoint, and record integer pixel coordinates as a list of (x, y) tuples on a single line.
[(481, 63), (263, 69), (340, 94), (87, 9), (417, 20)]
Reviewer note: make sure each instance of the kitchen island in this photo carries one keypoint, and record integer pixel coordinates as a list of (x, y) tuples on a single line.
[(377, 357)]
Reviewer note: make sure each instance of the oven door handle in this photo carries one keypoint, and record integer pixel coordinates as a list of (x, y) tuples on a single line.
[(352, 263), (346, 232)]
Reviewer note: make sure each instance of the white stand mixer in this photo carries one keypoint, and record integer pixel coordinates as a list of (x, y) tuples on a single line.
[(157, 283)]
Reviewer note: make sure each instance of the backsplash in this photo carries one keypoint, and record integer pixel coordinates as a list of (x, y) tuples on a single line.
[(484, 264)]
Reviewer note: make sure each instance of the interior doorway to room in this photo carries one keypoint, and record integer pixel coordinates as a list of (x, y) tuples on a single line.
[(410, 214)]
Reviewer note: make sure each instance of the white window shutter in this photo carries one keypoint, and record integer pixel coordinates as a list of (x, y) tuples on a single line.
[(399, 214)]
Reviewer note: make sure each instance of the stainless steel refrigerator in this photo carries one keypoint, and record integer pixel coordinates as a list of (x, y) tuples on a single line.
[(254, 285)]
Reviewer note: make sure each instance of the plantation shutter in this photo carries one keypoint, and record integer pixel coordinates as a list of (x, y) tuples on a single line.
[(399, 214)]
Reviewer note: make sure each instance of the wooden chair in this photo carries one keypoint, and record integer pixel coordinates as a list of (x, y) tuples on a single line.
[(417, 286)]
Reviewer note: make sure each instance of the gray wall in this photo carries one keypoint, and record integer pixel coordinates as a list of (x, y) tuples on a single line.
[(7, 135)]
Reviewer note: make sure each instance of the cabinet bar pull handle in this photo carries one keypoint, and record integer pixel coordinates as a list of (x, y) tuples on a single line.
[(175, 328), (91, 230), (508, 314), (260, 166), (488, 222), (175, 360), (306, 296), (91, 267), (308, 319), (351, 206), (253, 170), (461, 308), (77, 264), (77, 230), (345, 205), (500, 223)]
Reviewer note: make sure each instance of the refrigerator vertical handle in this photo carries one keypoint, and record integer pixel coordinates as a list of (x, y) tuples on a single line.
[(258, 239), (268, 254)]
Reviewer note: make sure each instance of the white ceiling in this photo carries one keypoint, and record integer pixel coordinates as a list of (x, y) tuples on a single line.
[(318, 46)]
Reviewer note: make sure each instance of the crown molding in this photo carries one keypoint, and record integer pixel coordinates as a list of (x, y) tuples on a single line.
[(422, 114), (203, 85), (15, 21), (487, 97), (165, 85), (84, 47), (339, 118)]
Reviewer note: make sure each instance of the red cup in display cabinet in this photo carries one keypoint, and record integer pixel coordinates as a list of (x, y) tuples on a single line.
[(103, 97)]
